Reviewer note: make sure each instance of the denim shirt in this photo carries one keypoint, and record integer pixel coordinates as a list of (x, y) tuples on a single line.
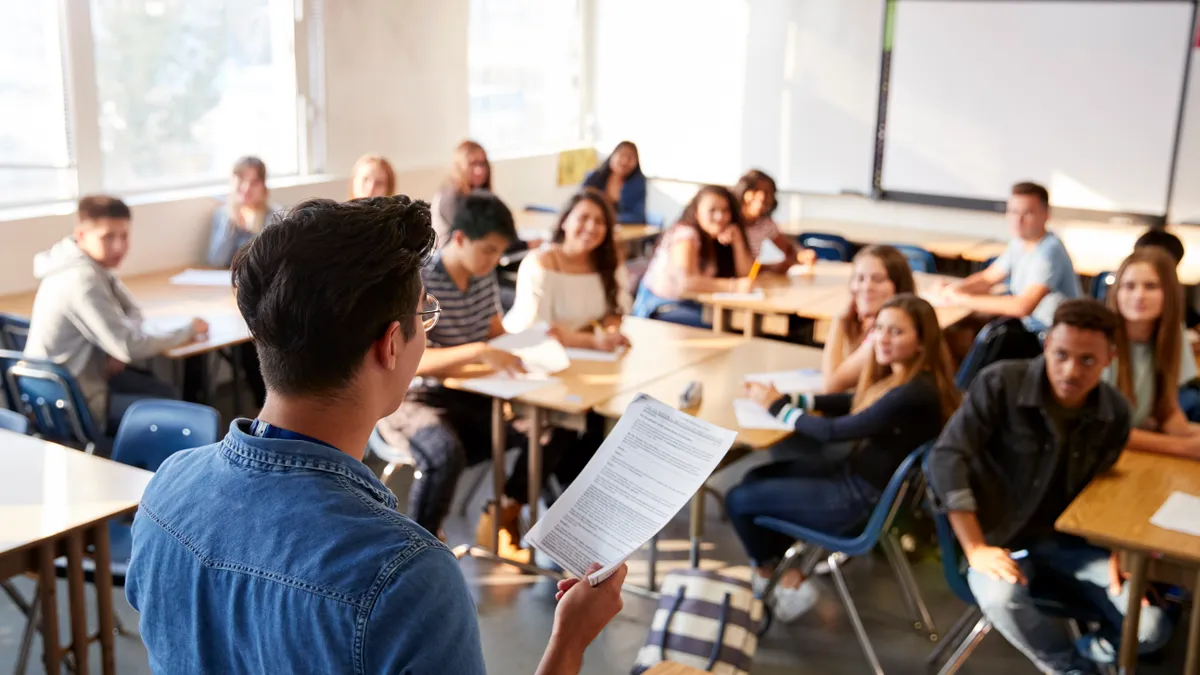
[(265, 555)]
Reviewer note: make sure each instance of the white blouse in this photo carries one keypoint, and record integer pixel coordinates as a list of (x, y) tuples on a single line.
[(561, 298)]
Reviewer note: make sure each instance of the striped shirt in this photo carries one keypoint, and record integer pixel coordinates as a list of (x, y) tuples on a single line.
[(466, 315)]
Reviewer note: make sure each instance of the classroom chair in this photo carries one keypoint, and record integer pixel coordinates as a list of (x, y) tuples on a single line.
[(540, 208), (1100, 285), (972, 627), (1001, 339), (48, 394), (840, 548), (919, 260), (13, 421), (827, 246), (14, 330), (655, 219), (154, 429)]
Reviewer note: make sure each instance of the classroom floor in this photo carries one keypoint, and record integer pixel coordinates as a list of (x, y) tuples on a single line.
[(516, 614)]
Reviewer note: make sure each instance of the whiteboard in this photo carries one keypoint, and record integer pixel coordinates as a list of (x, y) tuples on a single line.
[(710, 88), (1080, 96)]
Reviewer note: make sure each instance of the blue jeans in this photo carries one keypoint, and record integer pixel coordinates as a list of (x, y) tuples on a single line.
[(1071, 567), (828, 499), (647, 305)]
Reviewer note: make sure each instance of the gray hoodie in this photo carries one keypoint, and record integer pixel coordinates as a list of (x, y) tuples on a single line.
[(82, 315)]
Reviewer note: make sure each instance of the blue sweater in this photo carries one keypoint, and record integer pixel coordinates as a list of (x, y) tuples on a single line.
[(632, 206)]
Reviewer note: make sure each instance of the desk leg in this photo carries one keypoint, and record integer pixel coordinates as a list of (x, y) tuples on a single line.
[(1133, 610), (79, 632), (753, 325), (720, 319), (48, 583), (499, 438), (103, 581), (1192, 667), (696, 527), (535, 465)]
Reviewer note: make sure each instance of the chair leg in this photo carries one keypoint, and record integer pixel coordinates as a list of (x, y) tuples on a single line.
[(476, 483), (32, 621), (980, 631), (917, 609), (835, 568), (968, 619)]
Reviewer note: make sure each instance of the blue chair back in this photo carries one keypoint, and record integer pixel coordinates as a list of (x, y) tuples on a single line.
[(1000, 339), (10, 420), (654, 219), (1100, 285), (919, 260), (827, 246), (540, 208), (50, 397), (14, 331), (880, 517), (154, 429)]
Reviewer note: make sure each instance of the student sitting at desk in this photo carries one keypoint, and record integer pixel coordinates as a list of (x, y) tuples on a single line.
[(576, 284), (755, 194), (879, 273), (1030, 435), (1036, 266), (470, 172), (1152, 359), (620, 178), (244, 213), (372, 176), (903, 397), (85, 318), (705, 252), (277, 550), (448, 430), (1174, 247)]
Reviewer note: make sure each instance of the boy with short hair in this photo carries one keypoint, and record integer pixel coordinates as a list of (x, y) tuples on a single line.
[(86, 319)]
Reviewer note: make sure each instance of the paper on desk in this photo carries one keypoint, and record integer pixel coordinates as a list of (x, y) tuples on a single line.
[(507, 386), (191, 277), (756, 294), (577, 354), (804, 380), (647, 469), (536, 349), (1181, 512), (751, 415), (770, 254)]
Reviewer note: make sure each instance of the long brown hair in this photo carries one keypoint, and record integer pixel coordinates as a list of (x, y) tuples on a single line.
[(373, 160), (755, 180), (459, 170), (604, 257), (1167, 335), (899, 273), (932, 357), (710, 250)]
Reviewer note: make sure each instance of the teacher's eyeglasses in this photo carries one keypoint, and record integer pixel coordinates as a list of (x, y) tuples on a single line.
[(431, 311)]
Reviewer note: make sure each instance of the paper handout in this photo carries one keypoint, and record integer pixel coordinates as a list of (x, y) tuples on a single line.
[(581, 354), (192, 277), (770, 254), (751, 415), (647, 469), (805, 380), (507, 387), (1181, 513), (756, 294), (536, 349)]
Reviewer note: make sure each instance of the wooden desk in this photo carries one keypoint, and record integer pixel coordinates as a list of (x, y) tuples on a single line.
[(941, 244), (55, 501), (1114, 511), (533, 225)]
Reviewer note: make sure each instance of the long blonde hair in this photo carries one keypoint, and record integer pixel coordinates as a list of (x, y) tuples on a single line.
[(373, 161), (460, 168), (1167, 335), (932, 357)]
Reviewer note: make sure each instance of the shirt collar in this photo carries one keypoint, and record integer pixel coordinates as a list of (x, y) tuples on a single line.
[(1099, 402), (281, 452)]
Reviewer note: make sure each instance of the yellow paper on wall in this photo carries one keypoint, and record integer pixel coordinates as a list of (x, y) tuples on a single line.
[(574, 165)]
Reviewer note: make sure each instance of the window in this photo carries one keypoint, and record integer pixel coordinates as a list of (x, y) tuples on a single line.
[(525, 66), (185, 87), (36, 162)]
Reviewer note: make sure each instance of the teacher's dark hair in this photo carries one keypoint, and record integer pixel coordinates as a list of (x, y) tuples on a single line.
[(322, 283)]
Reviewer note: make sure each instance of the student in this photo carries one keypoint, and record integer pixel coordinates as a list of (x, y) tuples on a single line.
[(85, 318), (755, 194), (1030, 435), (470, 172), (244, 214), (576, 284), (1036, 266), (372, 176), (903, 397), (1174, 247), (281, 520), (705, 252), (879, 273), (620, 178), (1152, 359), (448, 430)]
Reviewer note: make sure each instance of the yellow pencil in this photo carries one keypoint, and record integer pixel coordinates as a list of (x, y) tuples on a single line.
[(754, 271)]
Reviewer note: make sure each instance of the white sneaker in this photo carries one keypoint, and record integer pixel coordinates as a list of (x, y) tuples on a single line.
[(758, 584), (791, 603)]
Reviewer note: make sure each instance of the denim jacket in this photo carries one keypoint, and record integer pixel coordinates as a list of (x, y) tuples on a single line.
[(265, 555), (999, 450)]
